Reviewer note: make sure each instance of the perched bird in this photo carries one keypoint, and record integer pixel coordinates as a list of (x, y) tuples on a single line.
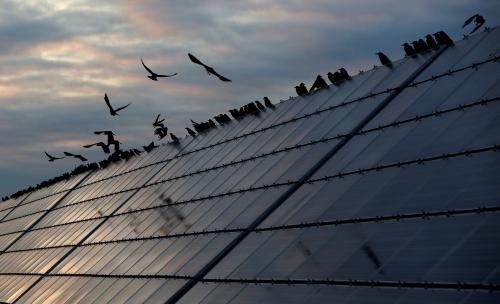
[(52, 158), (334, 78), (344, 74), (150, 147), (319, 83), (105, 147), (153, 75), (209, 69), (384, 60), (431, 43), (158, 122), (442, 38), (191, 132), (259, 105), (423, 46), (112, 111), (409, 51), (174, 138), (268, 103), (78, 156), (478, 20), (301, 89)]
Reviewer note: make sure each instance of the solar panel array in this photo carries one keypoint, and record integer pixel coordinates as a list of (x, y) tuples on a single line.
[(381, 190)]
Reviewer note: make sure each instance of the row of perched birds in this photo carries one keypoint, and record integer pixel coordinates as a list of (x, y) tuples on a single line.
[(253, 108)]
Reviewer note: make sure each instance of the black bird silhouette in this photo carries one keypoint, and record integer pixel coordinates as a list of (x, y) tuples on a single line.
[(209, 69), (442, 38), (478, 20), (150, 147), (384, 60), (431, 43), (153, 75), (301, 89), (78, 156), (52, 158), (105, 147), (268, 103), (112, 111), (409, 51), (191, 132), (334, 77), (161, 132), (319, 83), (260, 105), (344, 74), (174, 138), (158, 122)]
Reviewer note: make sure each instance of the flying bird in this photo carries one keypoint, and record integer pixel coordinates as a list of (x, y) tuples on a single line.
[(384, 60), (105, 148), (153, 75), (158, 122), (109, 134), (150, 147), (52, 158), (78, 156), (112, 111), (478, 20), (209, 69)]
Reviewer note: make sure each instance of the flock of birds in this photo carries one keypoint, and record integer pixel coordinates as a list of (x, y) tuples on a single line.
[(112, 145)]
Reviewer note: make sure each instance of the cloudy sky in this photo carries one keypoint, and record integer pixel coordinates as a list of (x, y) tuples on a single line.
[(58, 57)]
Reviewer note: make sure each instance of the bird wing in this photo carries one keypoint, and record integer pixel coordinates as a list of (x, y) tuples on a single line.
[(68, 154), (148, 69), (80, 157), (170, 75), (222, 78), (469, 21), (89, 146), (106, 99), (156, 120), (121, 108), (195, 60), (49, 156)]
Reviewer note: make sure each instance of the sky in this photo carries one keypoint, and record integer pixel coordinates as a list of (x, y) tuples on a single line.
[(59, 57)]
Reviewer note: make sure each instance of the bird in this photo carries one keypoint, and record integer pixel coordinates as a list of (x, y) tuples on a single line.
[(161, 132), (431, 43), (260, 105), (174, 138), (78, 156), (319, 83), (105, 147), (158, 122), (344, 74), (384, 60), (423, 46), (300, 91), (268, 103), (191, 132), (112, 111), (52, 158), (478, 20), (334, 77), (153, 75), (442, 38), (150, 147), (409, 51), (209, 69)]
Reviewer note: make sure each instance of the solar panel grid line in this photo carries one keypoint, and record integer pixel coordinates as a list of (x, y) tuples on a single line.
[(430, 285), (423, 215), (13, 207)]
